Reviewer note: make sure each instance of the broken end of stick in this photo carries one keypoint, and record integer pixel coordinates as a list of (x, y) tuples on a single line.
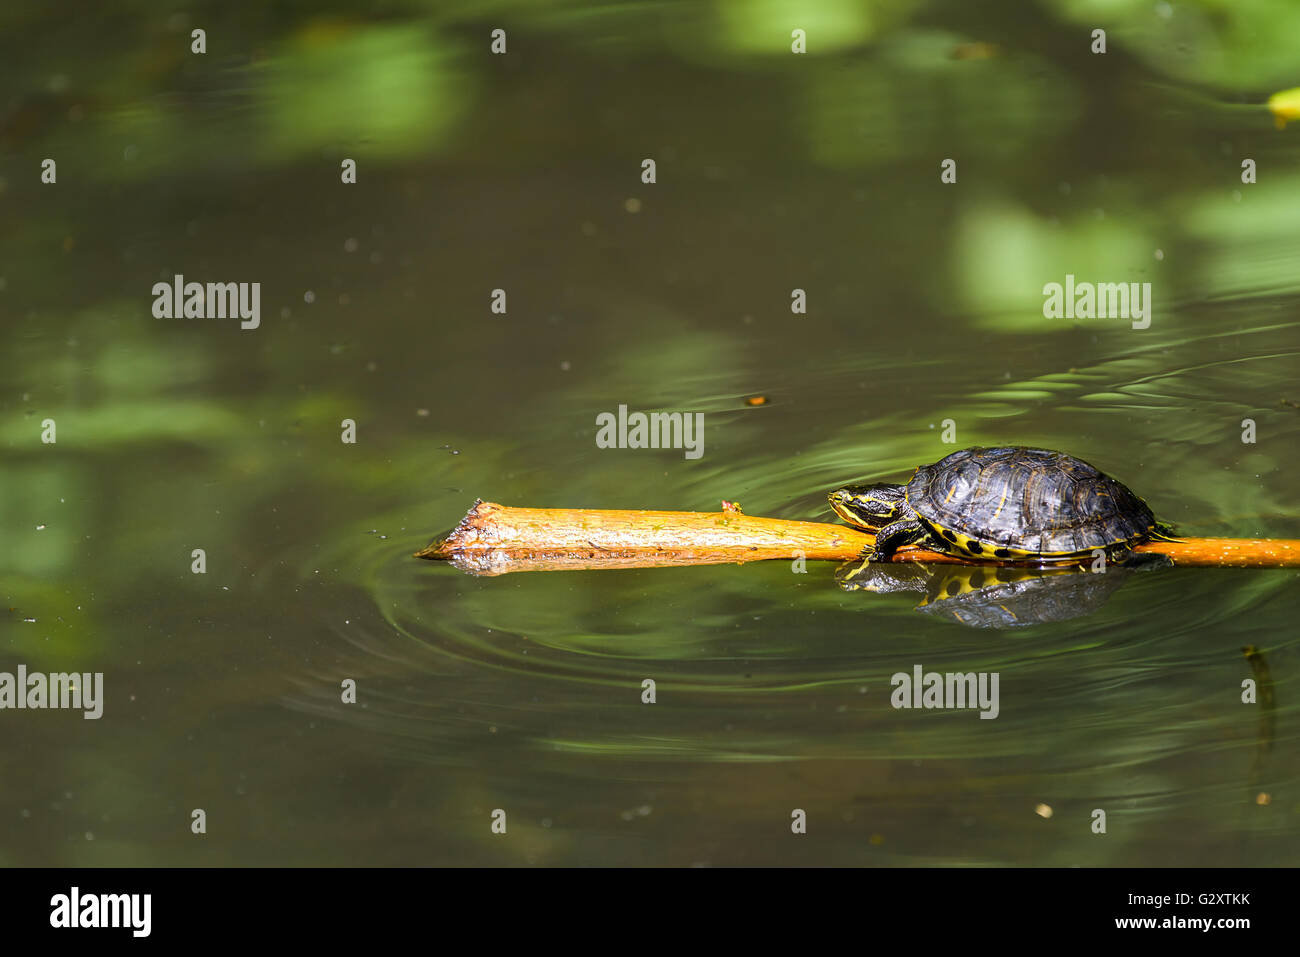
[(433, 551), (449, 545)]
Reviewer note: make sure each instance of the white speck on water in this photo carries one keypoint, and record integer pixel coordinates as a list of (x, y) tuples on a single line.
[(309, 297), (40, 528), (350, 244)]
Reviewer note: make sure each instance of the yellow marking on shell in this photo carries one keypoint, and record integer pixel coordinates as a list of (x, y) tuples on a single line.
[(1001, 503), (966, 544), (963, 543), (940, 532)]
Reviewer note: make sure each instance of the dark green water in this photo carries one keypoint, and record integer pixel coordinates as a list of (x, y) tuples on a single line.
[(523, 692)]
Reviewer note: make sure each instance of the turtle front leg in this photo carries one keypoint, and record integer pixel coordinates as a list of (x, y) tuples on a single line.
[(905, 531)]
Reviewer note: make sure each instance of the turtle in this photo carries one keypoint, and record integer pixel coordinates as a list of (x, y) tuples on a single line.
[(1009, 504)]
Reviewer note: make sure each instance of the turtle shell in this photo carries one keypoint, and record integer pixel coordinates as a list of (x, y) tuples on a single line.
[(1018, 502)]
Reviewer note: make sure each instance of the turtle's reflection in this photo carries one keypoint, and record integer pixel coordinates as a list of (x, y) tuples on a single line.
[(991, 596)]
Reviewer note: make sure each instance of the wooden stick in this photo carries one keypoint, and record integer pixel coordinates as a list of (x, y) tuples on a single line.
[(494, 539)]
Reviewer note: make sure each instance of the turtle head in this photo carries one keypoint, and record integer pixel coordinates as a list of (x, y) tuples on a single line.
[(868, 506)]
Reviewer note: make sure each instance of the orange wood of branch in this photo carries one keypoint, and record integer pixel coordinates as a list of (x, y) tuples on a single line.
[(493, 539)]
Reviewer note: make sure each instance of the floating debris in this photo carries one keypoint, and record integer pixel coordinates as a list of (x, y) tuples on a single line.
[(977, 50), (1285, 106)]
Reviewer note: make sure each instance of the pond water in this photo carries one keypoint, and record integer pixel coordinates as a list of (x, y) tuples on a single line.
[(523, 172)]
